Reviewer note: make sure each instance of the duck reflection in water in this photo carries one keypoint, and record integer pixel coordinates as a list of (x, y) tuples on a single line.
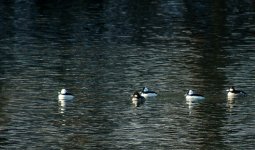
[(137, 99), (230, 104), (61, 106)]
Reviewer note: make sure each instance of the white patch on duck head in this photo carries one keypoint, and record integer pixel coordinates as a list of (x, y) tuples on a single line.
[(190, 92), (231, 89), (145, 89), (63, 91), (136, 95)]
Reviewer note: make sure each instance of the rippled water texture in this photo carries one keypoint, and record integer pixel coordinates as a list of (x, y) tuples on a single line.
[(102, 51)]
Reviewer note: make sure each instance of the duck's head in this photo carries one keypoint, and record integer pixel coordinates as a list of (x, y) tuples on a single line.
[(63, 91), (145, 89), (231, 89), (136, 94), (190, 92)]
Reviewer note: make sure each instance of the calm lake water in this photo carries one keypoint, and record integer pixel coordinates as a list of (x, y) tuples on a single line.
[(102, 51)]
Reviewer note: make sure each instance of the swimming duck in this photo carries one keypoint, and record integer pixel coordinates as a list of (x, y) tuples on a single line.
[(192, 96), (232, 92), (137, 99), (64, 95), (146, 93)]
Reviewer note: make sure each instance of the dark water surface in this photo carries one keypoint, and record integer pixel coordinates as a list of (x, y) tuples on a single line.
[(103, 51)]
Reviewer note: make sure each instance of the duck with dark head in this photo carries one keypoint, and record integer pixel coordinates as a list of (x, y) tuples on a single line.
[(137, 99)]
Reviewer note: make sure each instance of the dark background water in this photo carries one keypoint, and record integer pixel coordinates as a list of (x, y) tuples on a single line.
[(103, 51)]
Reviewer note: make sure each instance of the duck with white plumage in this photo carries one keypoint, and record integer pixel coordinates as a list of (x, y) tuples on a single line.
[(65, 95), (146, 93), (191, 96)]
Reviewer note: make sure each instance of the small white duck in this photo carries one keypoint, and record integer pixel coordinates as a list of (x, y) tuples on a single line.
[(64, 95), (146, 93), (193, 97)]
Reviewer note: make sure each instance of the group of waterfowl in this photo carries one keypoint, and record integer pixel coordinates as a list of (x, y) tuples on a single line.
[(232, 93), (139, 97)]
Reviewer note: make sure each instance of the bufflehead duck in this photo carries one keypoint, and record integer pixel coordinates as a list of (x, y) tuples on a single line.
[(193, 97), (146, 93), (137, 99), (64, 95), (232, 92)]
